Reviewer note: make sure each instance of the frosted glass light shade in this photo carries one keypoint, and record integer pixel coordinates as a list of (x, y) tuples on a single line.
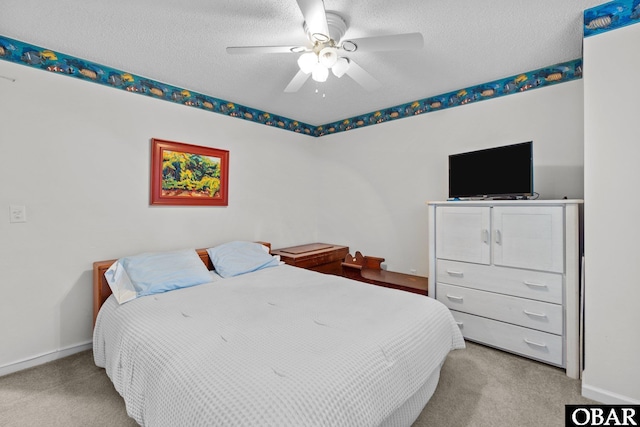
[(307, 62), (328, 56), (320, 73), (341, 66)]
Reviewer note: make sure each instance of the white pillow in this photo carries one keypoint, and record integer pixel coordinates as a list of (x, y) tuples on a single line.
[(235, 258), (120, 284), (152, 273)]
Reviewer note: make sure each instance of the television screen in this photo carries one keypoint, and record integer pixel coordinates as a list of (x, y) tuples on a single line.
[(494, 172)]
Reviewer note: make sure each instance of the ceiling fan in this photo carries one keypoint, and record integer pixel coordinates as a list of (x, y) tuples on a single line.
[(327, 48)]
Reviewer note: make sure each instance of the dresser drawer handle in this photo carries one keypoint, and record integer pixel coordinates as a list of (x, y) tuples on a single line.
[(453, 297), (535, 285), (531, 313), (537, 344), (455, 273), (460, 324)]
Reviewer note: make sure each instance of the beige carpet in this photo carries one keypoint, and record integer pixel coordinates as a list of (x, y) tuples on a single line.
[(478, 386)]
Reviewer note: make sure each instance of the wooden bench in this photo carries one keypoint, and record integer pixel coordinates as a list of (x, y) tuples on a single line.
[(368, 269)]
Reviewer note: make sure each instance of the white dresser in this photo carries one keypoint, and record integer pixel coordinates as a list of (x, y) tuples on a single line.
[(510, 273)]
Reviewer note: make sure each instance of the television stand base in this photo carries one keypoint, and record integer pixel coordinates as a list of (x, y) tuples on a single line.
[(455, 199), (508, 198)]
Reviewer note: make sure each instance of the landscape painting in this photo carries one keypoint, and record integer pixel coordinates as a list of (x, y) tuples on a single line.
[(185, 174)]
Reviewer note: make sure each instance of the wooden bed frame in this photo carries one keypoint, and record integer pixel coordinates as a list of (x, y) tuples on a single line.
[(101, 289)]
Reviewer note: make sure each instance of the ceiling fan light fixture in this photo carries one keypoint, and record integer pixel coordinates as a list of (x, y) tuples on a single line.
[(320, 73), (340, 67), (307, 62), (328, 56)]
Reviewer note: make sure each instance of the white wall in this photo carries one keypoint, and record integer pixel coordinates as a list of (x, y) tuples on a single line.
[(376, 180), (77, 155), (612, 215)]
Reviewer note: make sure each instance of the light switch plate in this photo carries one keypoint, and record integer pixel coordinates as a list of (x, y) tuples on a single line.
[(17, 213)]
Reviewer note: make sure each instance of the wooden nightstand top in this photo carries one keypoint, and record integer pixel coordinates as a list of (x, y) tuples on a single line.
[(322, 257), (305, 249)]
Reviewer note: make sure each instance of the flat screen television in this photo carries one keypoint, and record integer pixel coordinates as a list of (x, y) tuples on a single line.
[(500, 172)]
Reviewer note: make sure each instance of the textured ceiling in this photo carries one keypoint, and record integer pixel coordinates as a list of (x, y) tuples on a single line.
[(182, 43)]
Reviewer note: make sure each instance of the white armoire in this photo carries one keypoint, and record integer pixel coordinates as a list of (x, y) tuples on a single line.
[(509, 271)]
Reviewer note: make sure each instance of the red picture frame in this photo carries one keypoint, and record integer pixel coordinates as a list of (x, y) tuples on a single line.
[(188, 175)]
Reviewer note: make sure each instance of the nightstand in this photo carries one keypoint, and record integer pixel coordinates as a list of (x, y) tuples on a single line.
[(320, 257), (368, 269)]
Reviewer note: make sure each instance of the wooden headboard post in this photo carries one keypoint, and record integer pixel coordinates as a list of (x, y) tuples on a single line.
[(101, 289)]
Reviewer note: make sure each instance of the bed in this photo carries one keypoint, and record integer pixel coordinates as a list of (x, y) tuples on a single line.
[(280, 346)]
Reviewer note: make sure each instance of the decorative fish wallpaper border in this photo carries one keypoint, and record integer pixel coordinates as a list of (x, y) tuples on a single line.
[(48, 60), (610, 16), (554, 74)]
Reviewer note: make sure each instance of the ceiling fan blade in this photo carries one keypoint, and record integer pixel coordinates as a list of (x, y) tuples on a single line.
[(378, 43), (315, 19), (240, 50), (362, 77), (296, 83)]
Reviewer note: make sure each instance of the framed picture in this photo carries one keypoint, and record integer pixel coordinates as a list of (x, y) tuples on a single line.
[(190, 175)]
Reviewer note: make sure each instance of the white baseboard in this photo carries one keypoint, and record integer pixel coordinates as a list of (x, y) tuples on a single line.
[(605, 396), (44, 358)]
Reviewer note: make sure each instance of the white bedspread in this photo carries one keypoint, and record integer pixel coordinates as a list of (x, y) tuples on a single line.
[(281, 346)]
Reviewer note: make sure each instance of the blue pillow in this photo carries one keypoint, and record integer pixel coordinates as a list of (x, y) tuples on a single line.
[(152, 273), (235, 258)]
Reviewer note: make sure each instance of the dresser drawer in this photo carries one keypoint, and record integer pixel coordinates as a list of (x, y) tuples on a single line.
[(519, 311), (516, 339), (537, 285)]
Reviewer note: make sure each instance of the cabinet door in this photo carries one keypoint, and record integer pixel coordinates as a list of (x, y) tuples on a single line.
[(529, 237), (463, 233)]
